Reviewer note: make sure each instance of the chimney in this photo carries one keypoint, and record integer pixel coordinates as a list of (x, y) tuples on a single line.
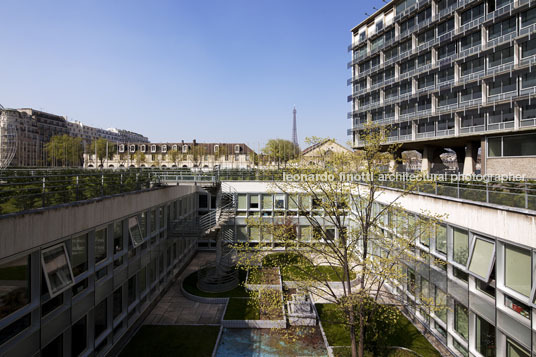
[(194, 142)]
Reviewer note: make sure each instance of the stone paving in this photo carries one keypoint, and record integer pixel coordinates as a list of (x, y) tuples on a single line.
[(175, 309)]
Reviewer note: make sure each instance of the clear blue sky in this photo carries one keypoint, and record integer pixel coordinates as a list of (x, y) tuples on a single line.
[(212, 70)]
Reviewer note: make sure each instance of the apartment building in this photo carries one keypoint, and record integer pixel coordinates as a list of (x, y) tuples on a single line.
[(450, 74)]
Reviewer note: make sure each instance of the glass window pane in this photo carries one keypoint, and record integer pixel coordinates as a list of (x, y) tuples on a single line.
[(79, 337), (293, 202), (135, 232), (254, 201), (266, 201), (117, 302), (14, 285), (441, 238), (519, 145), (242, 234), (440, 304), (57, 270), (485, 337), (118, 236), (242, 199), (515, 350), (254, 233), (461, 246), (100, 245), (461, 320), (517, 269), (494, 147), (101, 320), (79, 254), (482, 258)]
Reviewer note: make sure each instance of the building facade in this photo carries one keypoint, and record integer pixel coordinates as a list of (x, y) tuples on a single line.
[(191, 155), (450, 74), (33, 129)]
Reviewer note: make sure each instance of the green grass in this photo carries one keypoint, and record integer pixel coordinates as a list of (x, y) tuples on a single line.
[(190, 285), (194, 341), (296, 267), (405, 334), (241, 309)]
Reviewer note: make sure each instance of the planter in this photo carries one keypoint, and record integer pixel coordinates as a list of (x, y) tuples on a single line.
[(278, 286), (201, 299)]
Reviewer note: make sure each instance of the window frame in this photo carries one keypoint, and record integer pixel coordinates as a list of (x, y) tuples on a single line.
[(471, 255), (46, 273), (135, 243)]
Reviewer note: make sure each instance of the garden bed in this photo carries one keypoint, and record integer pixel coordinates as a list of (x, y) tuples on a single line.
[(266, 312)]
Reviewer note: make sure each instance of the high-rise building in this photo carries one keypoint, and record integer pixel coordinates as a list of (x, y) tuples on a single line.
[(450, 74)]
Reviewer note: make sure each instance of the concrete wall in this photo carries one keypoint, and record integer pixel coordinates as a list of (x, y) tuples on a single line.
[(23, 232), (515, 165)]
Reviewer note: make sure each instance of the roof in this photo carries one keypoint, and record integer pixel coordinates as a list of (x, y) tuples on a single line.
[(317, 145)]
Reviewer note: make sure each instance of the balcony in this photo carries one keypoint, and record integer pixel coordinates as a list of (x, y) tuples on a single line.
[(470, 25), (469, 52), (502, 96), (507, 67), (473, 129), (508, 38)]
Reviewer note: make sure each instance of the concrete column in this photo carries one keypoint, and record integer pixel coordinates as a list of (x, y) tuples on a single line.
[(469, 164), (426, 163), (397, 71), (460, 158), (397, 111), (457, 124), (484, 38), (382, 96), (434, 103), (395, 161), (483, 155), (517, 116), (484, 93), (516, 54), (413, 130), (456, 72)]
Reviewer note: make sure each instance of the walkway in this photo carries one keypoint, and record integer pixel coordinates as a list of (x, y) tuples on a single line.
[(175, 309)]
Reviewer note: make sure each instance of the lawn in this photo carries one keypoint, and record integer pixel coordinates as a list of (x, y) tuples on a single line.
[(241, 309), (263, 275), (190, 285), (405, 334), (194, 341), (295, 268)]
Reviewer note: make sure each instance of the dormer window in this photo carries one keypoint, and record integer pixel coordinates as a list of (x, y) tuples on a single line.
[(143, 148), (216, 149), (174, 147), (164, 148), (185, 148), (132, 148), (121, 148), (237, 149), (153, 148)]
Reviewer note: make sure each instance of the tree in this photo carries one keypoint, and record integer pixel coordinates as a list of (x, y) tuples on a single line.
[(64, 150), (139, 158), (353, 238), (197, 153), (281, 151), (173, 155), (105, 149)]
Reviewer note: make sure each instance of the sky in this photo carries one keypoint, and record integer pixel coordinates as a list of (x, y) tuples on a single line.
[(210, 70)]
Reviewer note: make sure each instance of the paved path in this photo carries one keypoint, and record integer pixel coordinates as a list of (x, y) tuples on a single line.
[(175, 309)]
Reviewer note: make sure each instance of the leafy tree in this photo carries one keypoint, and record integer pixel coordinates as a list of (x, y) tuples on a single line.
[(64, 150), (197, 152), (352, 239), (280, 151), (105, 149), (139, 157), (173, 155)]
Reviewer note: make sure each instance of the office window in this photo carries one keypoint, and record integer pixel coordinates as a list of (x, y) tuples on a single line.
[(474, 66), (57, 269), (267, 202), (254, 202), (461, 319), (519, 145), (101, 319), (280, 201), (242, 201), (79, 254), (405, 46), (472, 40), (482, 257), (448, 98), (528, 17), (378, 78), (528, 80), (471, 93), (426, 36), (460, 348), (515, 350), (389, 54), (503, 56), (404, 5), (424, 59), (407, 66), (135, 232), (118, 236), (405, 87), (100, 245), (79, 337), (485, 288), (446, 75), (517, 306), (131, 288), (242, 233), (444, 4), (365, 66), (425, 82), (502, 28), (528, 111), (445, 27), (445, 122), (254, 233), (460, 245), (117, 302), (407, 25), (410, 282), (472, 14), (143, 222), (460, 274), (517, 269), (446, 50), (153, 220), (440, 301), (14, 285), (472, 119)]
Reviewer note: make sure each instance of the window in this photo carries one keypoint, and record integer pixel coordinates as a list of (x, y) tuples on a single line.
[(441, 304), (425, 82), (485, 288), (424, 15), (254, 234), (515, 350), (528, 17), (503, 56), (482, 258), (405, 46), (237, 149), (446, 75), (472, 40), (444, 4), (502, 28), (424, 59), (445, 27), (460, 274), (471, 93), (528, 79), (389, 54), (446, 50), (407, 66), (185, 148), (118, 237), (100, 245), (528, 111), (426, 36), (54, 348), (267, 202), (519, 145), (135, 232), (330, 234), (517, 269), (472, 119), (410, 283), (448, 98), (101, 320), (460, 348), (254, 202), (517, 306), (405, 87), (445, 122), (132, 284), (474, 66), (472, 14), (461, 319), (14, 285), (79, 337), (460, 244), (79, 254), (501, 115), (57, 269), (404, 5), (407, 25), (117, 302), (280, 201), (242, 201)]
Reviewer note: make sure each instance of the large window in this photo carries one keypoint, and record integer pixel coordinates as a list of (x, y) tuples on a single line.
[(472, 40), (461, 319), (502, 28), (528, 80), (242, 202), (267, 202), (503, 56), (516, 145), (482, 258), (470, 119), (528, 17), (528, 48), (135, 232), (515, 350), (404, 5), (472, 14), (471, 93), (79, 254), (517, 269), (118, 237), (446, 50), (57, 269), (79, 337), (100, 244), (14, 285), (460, 245), (101, 320), (503, 85), (445, 27), (474, 66), (254, 202), (426, 36), (440, 304)]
